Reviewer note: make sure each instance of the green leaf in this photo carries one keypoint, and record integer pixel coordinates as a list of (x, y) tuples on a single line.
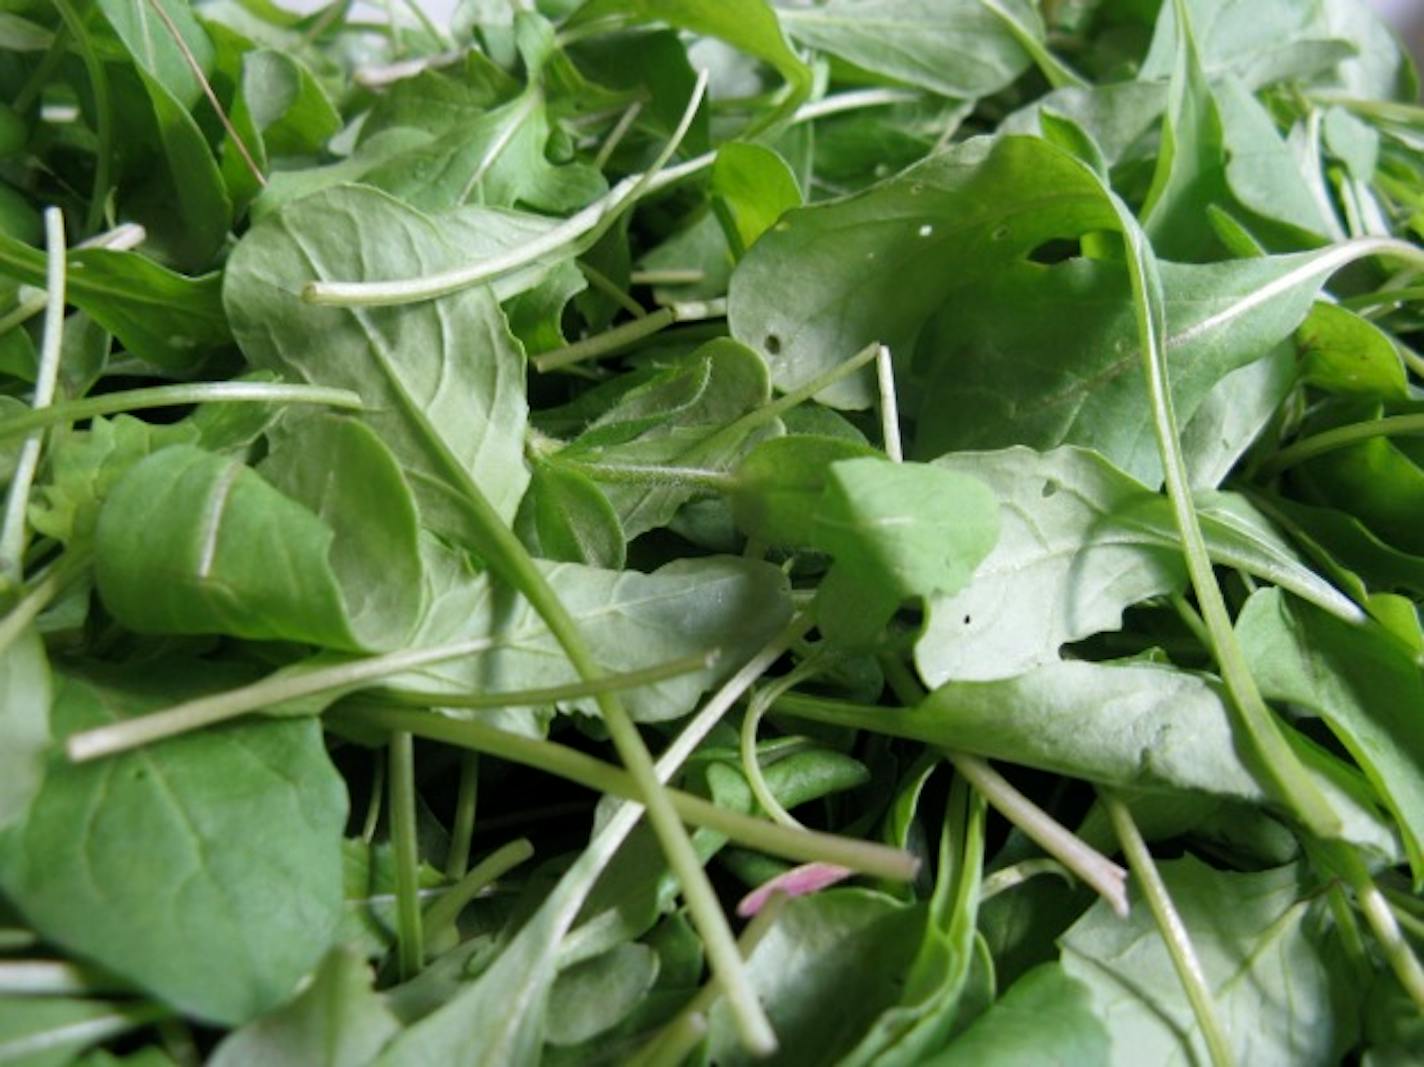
[(1079, 542), (152, 48), (85, 466), (632, 621), (443, 381), (565, 517), (1045, 1019), (235, 555), (24, 728), (337, 1021), (750, 26), (780, 484), (1266, 961), (595, 995), (751, 187), (896, 530), (167, 319), (236, 892), (1364, 685), (1345, 354), (957, 48)]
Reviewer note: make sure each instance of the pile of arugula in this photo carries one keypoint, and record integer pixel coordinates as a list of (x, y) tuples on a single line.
[(486, 505)]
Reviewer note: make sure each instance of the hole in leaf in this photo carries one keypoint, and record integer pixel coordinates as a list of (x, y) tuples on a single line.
[(773, 344), (1049, 488), (966, 620), (1001, 234), (1057, 250)]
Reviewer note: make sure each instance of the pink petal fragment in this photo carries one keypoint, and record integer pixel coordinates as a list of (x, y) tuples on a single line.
[(797, 882)]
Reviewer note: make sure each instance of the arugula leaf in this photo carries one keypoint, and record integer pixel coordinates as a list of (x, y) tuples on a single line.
[(226, 816), (25, 694)]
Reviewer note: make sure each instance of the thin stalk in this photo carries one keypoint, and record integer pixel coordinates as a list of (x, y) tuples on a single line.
[(751, 765), (442, 914), (276, 689), (162, 396), (1383, 298), (35, 599), (53, 978), (1091, 866), (616, 135), (410, 941), (804, 846), (15, 939), (1006, 878), (413, 6), (31, 302), (676, 1041), (1173, 931), (889, 405), (653, 476), (103, 112), (598, 215), (519, 698), (1382, 922), (1341, 437), (667, 277), (1192, 619), (197, 71), (611, 289), (462, 828), (1053, 837), (378, 793), (1275, 761), (607, 343), (13, 527)]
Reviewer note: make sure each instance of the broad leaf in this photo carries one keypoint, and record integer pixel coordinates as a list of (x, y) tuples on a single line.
[(24, 725), (338, 1021), (236, 892), (443, 381), (1266, 961)]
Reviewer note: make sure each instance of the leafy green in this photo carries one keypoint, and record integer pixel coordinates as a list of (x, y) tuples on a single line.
[(223, 816)]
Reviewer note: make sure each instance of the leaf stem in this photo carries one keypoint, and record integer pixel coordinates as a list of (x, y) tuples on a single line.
[(1382, 922), (751, 719), (1341, 437), (14, 527), (519, 698), (889, 405), (54, 978), (652, 475), (1173, 931), (804, 846), (1275, 761), (462, 828), (170, 395), (48, 586), (410, 942), (443, 913), (600, 214), (607, 343)]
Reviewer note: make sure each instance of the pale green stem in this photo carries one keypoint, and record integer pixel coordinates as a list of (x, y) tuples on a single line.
[(1192, 620), (677, 1040), (35, 599), (1384, 298), (667, 277), (276, 689), (1341, 437), (611, 289), (378, 794), (1274, 760), (163, 396), (53, 978), (462, 828), (803, 846), (520, 698), (1376, 910), (410, 941), (14, 527), (1173, 931), (1006, 878), (712, 481), (601, 213), (121, 238), (609, 342), (616, 135), (889, 405), (751, 765), (442, 914)]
